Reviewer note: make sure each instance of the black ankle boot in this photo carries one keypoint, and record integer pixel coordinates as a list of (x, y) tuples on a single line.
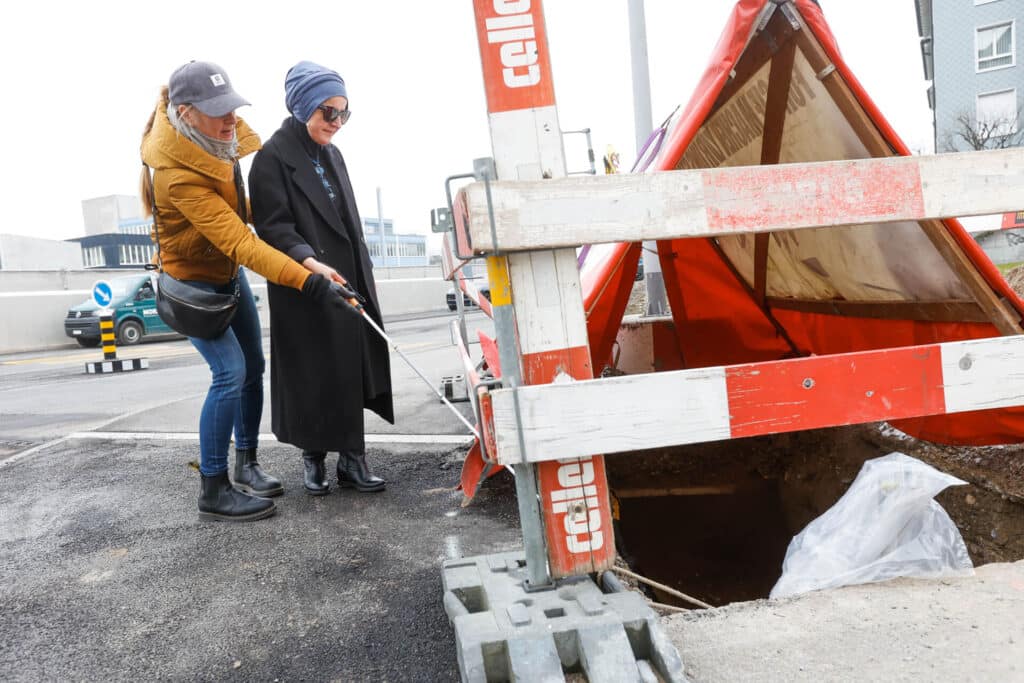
[(352, 471), (315, 479), (219, 500), (250, 477)]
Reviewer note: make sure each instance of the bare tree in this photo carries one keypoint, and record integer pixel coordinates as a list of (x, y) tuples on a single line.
[(991, 133)]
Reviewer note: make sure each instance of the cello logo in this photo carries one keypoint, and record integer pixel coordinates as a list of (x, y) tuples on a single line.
[(513, 30), (514, 54), (577, 499)]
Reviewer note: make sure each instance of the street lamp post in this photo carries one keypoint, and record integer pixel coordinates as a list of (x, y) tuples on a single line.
[(643, 125)]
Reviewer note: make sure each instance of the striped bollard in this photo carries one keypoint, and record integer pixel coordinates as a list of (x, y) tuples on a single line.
[(108, 341)]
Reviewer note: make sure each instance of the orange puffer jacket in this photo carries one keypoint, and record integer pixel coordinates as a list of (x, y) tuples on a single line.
[(201, 235)]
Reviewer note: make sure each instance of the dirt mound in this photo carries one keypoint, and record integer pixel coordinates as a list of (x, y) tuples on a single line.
[(1016, 279)]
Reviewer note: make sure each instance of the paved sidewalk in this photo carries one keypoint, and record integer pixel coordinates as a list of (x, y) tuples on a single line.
[(955, 629)]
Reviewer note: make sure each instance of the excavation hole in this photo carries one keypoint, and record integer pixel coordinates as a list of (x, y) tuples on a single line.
[(718, 547), (714, 520)]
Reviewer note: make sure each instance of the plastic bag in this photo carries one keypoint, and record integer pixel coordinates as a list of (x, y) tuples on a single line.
[(886, 525)]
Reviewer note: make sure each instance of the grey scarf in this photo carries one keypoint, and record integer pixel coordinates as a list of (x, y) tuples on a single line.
[(226, 150)]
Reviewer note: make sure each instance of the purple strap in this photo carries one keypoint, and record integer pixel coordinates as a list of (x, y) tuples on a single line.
[(656, 138)]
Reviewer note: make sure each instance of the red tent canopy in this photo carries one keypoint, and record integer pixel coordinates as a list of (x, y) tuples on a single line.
[(778, 91)]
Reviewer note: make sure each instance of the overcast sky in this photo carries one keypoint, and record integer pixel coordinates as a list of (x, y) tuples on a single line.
[(80, 79)]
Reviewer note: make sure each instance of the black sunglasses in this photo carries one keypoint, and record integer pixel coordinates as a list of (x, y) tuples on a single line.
[(332, 113)]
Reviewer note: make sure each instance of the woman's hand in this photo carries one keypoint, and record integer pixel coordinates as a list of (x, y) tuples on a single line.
[(318, 268)]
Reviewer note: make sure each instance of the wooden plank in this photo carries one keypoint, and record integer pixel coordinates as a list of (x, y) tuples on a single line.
[(552, 334), (549, 302), (635, 412), (564, 212), (779, 78), (983, 374), (761, 242), (932, 311), (842, 389), (628, 413), (1000, 314), (538, 308), (721, 490), (758, 52)]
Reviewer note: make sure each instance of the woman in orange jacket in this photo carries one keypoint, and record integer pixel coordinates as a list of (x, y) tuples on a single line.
[(193, 142)]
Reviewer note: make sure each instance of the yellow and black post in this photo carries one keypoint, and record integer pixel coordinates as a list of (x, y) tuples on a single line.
[(110, 363), (107, 335)]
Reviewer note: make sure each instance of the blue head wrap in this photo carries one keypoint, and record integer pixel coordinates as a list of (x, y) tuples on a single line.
[(307, 86)]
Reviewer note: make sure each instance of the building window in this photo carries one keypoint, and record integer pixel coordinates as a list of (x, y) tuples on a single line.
[(997, 112), (136, 254), (995, 46), (92, 257)]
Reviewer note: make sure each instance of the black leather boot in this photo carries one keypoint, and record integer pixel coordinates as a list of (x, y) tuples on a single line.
[(250, 477), (219, 500), (352, 471), (315, 478)]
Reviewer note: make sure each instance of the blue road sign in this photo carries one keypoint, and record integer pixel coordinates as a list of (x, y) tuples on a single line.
[(102, 293)]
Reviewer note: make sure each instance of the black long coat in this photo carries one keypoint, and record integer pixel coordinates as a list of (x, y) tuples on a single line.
[(326, 365)]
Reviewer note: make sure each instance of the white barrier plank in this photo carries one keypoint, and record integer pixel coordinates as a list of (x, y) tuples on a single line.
[(563, 212), (577, 419), (983, 374), (636, 412)]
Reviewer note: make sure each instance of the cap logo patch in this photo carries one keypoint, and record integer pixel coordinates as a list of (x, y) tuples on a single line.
[(217, 79)]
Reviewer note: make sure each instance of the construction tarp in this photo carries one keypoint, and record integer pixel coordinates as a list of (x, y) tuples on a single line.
[(778, 91)]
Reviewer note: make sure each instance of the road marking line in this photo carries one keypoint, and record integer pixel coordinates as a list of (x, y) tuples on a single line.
[(31, 451), (86, 354), (455, 439)]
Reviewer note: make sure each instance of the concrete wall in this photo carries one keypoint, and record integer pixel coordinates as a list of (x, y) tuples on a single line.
[(407, 272), (33, 304), (18, 252), (401, 291), (1003, 246)]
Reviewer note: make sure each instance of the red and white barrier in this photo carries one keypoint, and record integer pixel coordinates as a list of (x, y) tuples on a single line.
[(571, 211), (634, 412)]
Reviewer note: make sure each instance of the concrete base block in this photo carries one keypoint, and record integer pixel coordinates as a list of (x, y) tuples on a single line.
[(102, 367), (454, 388), (504, 633)]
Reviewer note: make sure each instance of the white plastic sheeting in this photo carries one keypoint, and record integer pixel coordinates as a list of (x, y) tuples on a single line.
[(885, 526)]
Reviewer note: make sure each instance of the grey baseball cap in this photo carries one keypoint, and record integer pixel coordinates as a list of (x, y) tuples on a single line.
[(205, 86)]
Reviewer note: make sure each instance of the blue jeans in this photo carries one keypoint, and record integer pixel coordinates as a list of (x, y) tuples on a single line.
[(235, 399)]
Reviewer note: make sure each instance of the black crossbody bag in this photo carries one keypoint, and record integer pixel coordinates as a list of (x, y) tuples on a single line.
[(187, 309)]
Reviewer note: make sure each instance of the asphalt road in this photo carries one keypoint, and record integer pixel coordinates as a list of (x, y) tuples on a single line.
[(47, 395), (107, 574)]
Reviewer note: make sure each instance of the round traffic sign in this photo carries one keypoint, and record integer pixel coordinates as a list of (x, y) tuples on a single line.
[(102, 293)]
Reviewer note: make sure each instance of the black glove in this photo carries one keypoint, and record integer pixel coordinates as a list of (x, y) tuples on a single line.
[(322, 290), (350, 293)]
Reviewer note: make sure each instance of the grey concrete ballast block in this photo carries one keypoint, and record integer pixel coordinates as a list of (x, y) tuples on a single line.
[(505, 633)]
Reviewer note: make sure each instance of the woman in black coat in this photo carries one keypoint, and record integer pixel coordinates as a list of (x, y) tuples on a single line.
[(326, 364)]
